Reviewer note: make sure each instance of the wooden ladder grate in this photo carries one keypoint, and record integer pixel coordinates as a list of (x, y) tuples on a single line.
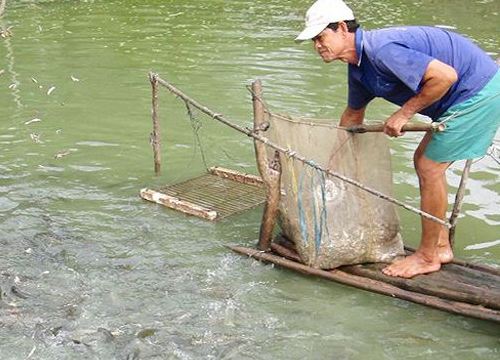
[(212, 196)]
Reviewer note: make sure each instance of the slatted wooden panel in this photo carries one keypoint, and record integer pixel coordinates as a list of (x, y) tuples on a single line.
[(213, 196)]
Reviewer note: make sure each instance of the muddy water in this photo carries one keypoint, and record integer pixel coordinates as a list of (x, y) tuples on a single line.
[(89, 271)]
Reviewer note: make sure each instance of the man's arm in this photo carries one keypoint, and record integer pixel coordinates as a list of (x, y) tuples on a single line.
[(438, 79), (351, 117)]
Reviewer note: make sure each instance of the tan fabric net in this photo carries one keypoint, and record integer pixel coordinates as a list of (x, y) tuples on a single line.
[(331, 222)]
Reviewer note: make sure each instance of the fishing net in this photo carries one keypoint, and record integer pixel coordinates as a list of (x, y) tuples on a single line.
[(331, 222)]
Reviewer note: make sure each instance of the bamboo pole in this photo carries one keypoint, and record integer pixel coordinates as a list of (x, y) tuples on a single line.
[(155, 135), (379, 287), (269, 171), (364, 128), (293, 154), (458, 202)]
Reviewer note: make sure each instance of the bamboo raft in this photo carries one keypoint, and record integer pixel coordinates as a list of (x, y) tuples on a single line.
[(460, 288)]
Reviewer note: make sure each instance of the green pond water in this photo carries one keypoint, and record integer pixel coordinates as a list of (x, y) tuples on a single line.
[(88, 270)]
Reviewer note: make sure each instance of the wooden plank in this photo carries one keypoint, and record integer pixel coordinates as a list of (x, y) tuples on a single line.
[(237, 176), (178, 204), (435, 284), (476, 311), (452, 282)]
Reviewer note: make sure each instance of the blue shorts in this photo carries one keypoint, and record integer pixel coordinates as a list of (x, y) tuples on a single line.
[(470, 126)]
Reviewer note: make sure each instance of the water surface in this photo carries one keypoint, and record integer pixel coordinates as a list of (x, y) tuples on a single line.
[(89, 270)]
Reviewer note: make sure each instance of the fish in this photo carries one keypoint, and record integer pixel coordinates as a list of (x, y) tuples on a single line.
[(146, 333), (31, 352), (61, 154), (14, 290), (5, 33), (35, 137), (32, 121), (52, 88), (74, 78)]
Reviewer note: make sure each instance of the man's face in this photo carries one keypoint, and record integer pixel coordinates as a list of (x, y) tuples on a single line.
[(330, 45)]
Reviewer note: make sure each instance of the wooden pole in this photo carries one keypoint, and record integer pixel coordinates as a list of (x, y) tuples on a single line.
[(155, 135), (458, 201), (292, 154), (271, 208), (270, 172), (364, 128)]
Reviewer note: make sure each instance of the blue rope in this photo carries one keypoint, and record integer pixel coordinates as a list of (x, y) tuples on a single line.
[(317, 229), (300, 206), (320, 221), (324, 209)]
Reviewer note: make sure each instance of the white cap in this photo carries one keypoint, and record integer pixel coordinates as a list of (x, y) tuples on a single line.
[(322, 13)]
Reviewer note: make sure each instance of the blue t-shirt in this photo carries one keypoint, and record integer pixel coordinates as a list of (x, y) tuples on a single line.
[(393, 61)]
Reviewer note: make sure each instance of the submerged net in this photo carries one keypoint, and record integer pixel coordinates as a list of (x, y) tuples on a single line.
[(331, 222)]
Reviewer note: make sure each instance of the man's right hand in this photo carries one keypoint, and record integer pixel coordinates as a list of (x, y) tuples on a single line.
[(395, 123)]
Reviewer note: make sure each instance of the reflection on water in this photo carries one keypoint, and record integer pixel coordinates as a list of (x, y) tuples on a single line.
[(88, 270)]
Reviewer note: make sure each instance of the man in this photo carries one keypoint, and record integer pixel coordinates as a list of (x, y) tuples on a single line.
[(424, 70)]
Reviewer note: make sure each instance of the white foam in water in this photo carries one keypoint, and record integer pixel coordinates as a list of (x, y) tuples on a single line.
[(482, 245)]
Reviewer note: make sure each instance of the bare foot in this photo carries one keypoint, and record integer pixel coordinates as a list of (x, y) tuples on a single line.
[(412, 265), (445, 253)]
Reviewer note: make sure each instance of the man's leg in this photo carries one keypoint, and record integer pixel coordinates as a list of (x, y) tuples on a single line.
[(445, 252), (434, 244)]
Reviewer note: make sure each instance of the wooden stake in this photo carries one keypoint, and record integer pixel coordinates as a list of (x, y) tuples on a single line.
[(458, 201), (271, 208), (155, 135), (270, 172)]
